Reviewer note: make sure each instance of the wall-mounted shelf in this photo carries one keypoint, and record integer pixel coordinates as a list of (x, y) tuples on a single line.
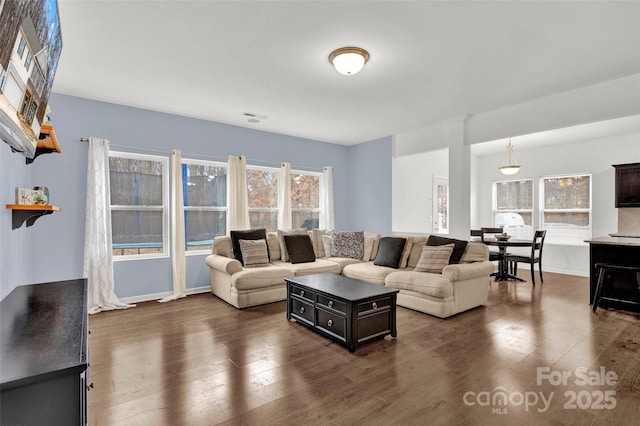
[(47, 142), (29, 213)]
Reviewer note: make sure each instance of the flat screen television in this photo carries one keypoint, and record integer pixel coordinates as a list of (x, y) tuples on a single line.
[(30, 46)]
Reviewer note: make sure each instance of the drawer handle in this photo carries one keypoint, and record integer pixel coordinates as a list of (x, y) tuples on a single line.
[(330, 323), (302, 293), (302, 310), (375, 305), (90, 386), (330, 303)]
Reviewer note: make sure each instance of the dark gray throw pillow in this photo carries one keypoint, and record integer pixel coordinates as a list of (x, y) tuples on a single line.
[(458, 249), (249, 234), (390, 252), (300, 248)]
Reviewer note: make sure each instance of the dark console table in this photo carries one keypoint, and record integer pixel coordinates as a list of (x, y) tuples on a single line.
[(618, 251), (43, 354), (346, 310)]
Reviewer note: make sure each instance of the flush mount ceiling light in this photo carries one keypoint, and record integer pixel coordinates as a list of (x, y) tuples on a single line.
[(509, 164), (349, 60)]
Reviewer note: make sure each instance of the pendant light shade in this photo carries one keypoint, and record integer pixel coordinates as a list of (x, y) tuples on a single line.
[(349, 60), (509, 164)]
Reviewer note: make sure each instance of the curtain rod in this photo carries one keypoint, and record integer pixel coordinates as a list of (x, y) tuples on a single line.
[(218, 158)]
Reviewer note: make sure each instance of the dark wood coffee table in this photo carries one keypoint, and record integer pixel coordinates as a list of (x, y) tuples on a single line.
[(346, 310)]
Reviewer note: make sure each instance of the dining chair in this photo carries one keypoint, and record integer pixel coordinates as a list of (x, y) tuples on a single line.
[(494, 256), (536, 256)]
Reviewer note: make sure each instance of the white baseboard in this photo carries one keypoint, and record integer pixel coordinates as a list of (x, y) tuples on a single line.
[(158, 296)]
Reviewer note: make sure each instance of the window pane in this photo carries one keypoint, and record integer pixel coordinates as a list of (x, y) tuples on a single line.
[(206, 185), (260, 219), (135, 182), (263, 188), (305, 219), (136, 232), (201, 227), (567, 193), (514, 195), (566, 219), (305, 191)]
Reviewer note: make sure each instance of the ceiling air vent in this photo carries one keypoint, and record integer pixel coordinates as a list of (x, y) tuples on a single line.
[(254, 118)]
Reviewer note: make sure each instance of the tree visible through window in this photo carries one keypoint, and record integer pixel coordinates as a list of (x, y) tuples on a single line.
[(138, 204), (262, 188), (513, 202), (305, 200), (567, 202)]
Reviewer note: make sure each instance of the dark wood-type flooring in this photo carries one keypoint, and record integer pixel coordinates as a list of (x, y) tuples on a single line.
[(199, 361)]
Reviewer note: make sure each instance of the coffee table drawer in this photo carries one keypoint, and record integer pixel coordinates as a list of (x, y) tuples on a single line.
[(332, 323), (304, 293), (302, 310), (371, 326), (374, 305), (332, 303)]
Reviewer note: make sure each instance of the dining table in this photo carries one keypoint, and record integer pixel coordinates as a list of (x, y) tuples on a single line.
[(503, 267)]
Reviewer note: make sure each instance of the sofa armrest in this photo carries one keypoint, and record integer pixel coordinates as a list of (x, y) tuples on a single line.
[(465, 271), (223, 264)]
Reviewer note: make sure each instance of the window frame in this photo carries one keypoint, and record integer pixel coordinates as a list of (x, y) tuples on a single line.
[(320, 187), (494, 201), (573, 235), (203, 208), (164, 208)]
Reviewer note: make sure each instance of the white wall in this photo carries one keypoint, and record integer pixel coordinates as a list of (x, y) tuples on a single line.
[(412, 188)]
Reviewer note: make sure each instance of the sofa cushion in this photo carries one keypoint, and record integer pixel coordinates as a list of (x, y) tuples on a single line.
[(368, 272), (249, 234), (284, 256), (299, 248), (376, 242), (254, 253), (475, 252), (390, 252), (347, 244), (433, 285), (406, 252), (273, 245), (254, 278), (316, 267), (222, 246), (434, 258), (316, 239), (459, 246), (416, 251)]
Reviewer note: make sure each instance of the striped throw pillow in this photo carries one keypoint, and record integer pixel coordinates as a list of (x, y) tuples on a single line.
[(254, 253), (434, 258)]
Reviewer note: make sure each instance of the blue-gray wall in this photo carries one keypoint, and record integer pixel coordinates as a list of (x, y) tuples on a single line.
[(52, 249)]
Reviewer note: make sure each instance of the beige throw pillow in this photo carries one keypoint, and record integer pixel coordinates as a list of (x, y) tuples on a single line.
[(326, 245), (434, 258), (254, 253), (405, 253)]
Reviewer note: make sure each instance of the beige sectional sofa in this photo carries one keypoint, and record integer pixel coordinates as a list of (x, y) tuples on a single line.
[(459, 287)]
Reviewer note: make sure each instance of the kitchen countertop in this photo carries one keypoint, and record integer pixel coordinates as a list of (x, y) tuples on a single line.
[(617, 241)]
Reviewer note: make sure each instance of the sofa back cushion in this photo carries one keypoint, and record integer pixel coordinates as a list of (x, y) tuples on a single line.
[(416, 251), (475, 252), (299, 248), (316, 239), (222, 246), (273, 245), (249, 234)]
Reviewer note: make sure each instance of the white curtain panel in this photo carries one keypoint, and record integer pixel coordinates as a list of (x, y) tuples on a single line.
[(284, 197), (327, 220), (98, 258), (237, 196), (178, 260)]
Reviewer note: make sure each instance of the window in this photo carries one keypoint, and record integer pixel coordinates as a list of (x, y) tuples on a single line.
[(441, 205), (205, 202), (513, 207), (305, 199), (139, 214), (21, 46), (565, 209), (26, 101), (262, 188), (27, 61)]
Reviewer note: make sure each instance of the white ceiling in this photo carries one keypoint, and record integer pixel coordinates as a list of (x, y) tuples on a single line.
[(430, 60)]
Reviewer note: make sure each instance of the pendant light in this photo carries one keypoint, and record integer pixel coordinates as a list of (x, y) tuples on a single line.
[(509, 164)]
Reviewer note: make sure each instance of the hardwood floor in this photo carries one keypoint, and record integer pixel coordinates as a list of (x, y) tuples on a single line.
[(199, 361)]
